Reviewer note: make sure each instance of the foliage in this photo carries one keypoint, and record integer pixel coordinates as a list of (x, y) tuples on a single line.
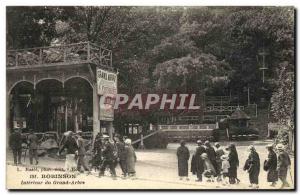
[(29, 26), (189, 72), (283, 101), (177, 48)]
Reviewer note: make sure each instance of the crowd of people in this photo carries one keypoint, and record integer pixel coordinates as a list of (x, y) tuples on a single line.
[(215, 164), (15, 143), (107, 153), (209, 163)]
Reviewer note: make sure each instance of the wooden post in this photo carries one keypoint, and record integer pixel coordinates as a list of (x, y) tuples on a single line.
[(88, 51), (96, 121), (66, 118), (142, 146), (227, 132), (17, 59), (110, 58), (65, 54), (41, 56), (248, 96), (110, 129)]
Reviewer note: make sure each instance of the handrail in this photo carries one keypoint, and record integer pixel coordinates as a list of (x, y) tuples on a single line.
[(146, 136), (48, 47)]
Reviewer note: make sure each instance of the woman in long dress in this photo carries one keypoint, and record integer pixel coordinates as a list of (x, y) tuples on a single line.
[(130, 158), (183, 155), (270, 165), (233, 160), (197, 164), (252, 165)]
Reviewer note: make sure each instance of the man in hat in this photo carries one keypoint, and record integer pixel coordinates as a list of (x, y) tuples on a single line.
[(283, 164), (97, 151), (81, 153), (270, 165), (219, 152), (108, 158), (120, 146), (32, 141), (15, 143), (183, 155), (197, 164), (252, 165)]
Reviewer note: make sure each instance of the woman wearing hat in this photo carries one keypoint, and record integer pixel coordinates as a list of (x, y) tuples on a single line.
[(197, 166), (219, 152), (252, 165), (130, 157), (211, 153), (183, 155), (283, 164), (233, 160), (270, 165)]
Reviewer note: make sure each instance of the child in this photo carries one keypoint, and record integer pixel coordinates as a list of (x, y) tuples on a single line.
[(225, 167)]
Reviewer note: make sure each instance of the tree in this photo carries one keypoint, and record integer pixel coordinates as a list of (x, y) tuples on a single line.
[(189, 73), (251, 30), (29, 26), (283, 100)]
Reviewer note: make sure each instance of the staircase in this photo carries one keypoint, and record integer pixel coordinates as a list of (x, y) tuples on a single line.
[(261, 122), (222, 135)]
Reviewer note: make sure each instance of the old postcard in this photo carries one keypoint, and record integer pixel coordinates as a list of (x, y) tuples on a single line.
[(153, 98)]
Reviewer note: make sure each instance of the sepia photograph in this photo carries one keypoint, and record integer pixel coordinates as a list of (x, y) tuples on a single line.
[(150, 98)]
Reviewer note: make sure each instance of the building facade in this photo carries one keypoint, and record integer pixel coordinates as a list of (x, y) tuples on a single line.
[(57, 88)]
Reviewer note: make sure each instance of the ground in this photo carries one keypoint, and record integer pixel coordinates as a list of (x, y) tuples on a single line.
[(156, 169)]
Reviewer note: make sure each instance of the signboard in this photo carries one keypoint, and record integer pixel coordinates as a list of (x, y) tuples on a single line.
[(107, 89), (106, 110), (106, 82)]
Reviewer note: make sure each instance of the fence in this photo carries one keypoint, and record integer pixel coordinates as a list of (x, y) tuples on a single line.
[(78, 52), (187, 127)]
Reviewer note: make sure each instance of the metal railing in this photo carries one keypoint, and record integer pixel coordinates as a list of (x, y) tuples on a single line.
[(85, 52)]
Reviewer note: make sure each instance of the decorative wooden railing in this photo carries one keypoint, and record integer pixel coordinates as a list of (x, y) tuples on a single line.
[(222, 108), (189, 118), (196, 127), (85, 52)]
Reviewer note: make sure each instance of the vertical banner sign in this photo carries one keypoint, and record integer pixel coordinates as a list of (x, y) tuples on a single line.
[(107, 89)]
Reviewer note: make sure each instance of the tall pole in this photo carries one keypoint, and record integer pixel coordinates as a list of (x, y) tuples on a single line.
[(248, 96), (263, 68), (66, 117)]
